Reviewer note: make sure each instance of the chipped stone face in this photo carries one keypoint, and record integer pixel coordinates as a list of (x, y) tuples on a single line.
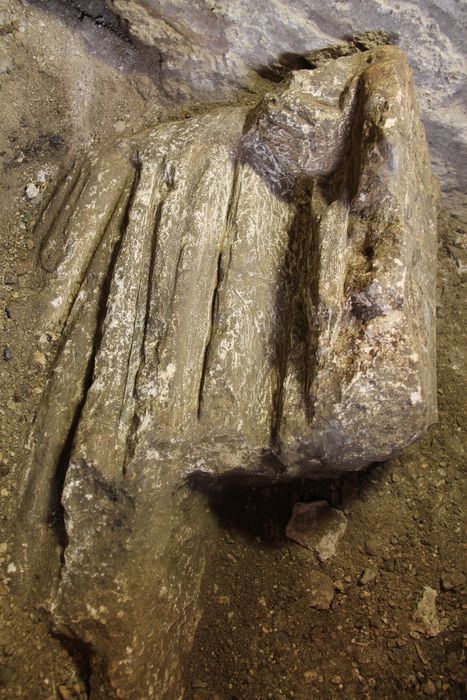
[(317, 527), (247, 291)]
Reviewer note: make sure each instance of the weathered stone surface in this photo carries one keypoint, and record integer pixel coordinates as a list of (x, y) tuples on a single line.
[(250, 290), (212, 50), (317, 527)]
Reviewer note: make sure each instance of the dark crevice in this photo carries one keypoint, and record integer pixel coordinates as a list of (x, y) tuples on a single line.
[(210, 334), (259, 505), (131, 440), (81, 653), (290, 337)]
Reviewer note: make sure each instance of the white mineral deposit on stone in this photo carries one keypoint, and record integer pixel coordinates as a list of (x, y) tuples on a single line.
[(32, 191)]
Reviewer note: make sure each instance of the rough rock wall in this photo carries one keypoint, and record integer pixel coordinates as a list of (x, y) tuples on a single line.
[(211, 49)]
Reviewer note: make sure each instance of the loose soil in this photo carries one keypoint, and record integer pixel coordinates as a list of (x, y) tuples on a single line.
[(69, 79)]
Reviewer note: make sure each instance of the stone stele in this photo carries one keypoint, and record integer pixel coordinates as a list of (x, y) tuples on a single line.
[(247, 291)]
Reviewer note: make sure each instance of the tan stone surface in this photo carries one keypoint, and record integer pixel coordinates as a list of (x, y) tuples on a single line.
[(241, 289)]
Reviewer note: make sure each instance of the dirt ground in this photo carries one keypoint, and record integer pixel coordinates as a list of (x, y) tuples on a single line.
[(70, 78)]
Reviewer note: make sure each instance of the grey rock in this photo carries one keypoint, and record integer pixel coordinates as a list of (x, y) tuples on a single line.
[(317, 527), (246, 292)]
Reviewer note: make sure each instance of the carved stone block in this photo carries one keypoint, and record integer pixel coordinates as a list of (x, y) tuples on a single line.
[(250, 290)]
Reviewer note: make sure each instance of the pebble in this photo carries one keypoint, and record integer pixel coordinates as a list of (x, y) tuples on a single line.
[(452, 580), (7, 353), (339, 586), (425, 618), (32, 191), (429, 688), (311, 676), (371, 547), (317, 527), (369, 575), (321, 590), (23, 267), (452, 661)]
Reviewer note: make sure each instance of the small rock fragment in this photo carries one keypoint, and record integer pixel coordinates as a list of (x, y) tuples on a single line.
[(7, 353), (371, 547), (321, 590), (425, 618), (40, 358), (317, 527), (421, 655), (311, 675), (459, 257), (452, 661), (23, 267), (368, 576), (452, 579), (429, 688), (64, 693), (32, 191)]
